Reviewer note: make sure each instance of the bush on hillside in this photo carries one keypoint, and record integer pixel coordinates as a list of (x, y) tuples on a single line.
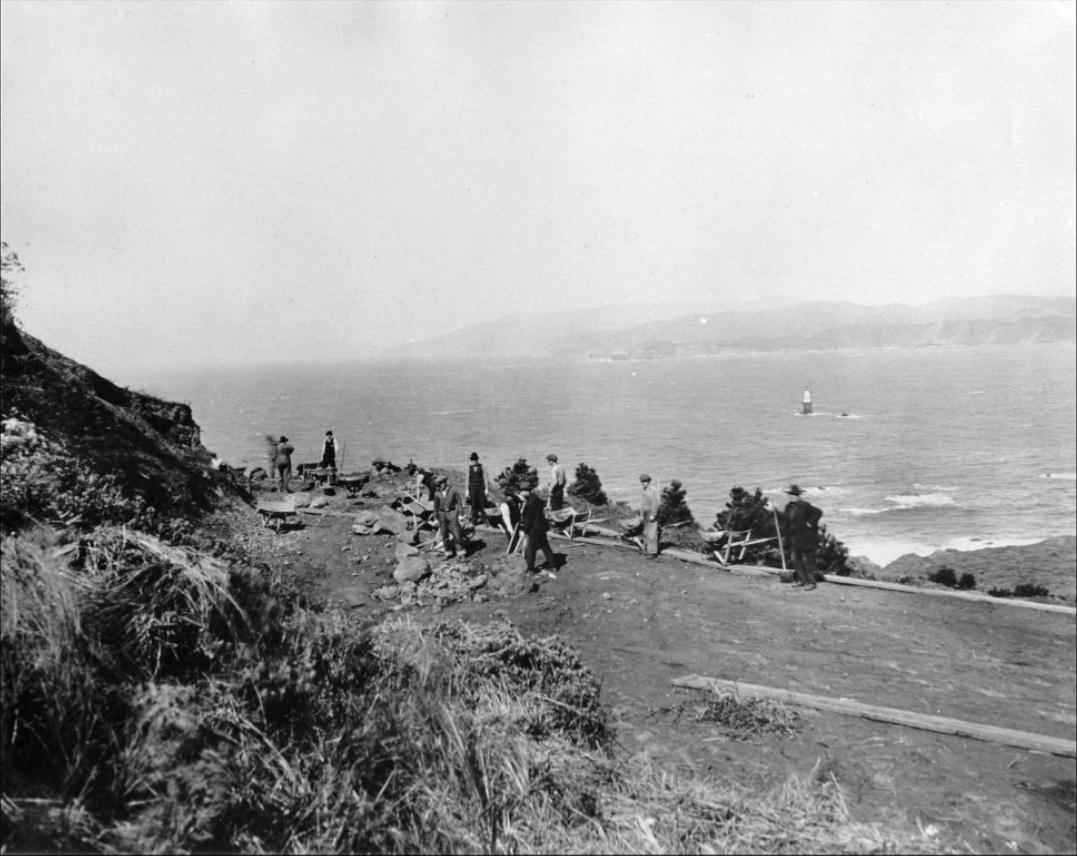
[(946, 576), (520, 473), (9, 266), (40, 481), (750, 512), (673, 507), (588, 486)]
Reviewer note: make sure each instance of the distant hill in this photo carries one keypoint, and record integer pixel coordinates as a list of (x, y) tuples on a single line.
[(628, 332)]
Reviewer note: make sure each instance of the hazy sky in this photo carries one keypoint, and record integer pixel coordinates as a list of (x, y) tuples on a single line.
[(236, 181)]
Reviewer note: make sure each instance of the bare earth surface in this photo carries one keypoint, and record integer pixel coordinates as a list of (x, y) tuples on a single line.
[(640, 624)]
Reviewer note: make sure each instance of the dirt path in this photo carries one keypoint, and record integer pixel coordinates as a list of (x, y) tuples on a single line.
[(640, 624)]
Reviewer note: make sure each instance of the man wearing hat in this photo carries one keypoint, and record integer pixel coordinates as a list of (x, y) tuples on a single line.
[(533, 525), (558, 480), (648, 512), (447, 504), (802, 535), (283, 461), (329, 452), (476, 490)]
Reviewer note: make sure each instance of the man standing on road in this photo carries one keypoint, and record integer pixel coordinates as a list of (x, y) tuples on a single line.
[(648, 512), (533, 525), (558, 480), (802, 536)]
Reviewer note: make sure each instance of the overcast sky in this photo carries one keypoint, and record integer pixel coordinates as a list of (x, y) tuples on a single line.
[(218, 182)]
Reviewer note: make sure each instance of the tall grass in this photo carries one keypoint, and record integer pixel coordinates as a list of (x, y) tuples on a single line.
[(152, 705)]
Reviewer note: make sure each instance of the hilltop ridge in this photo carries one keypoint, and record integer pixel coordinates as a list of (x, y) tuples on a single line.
[(636, 332)]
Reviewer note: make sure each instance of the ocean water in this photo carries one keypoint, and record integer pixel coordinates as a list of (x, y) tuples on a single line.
[(908, 450)]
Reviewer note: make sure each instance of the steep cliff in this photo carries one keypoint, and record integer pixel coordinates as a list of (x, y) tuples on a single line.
[(150, 447)]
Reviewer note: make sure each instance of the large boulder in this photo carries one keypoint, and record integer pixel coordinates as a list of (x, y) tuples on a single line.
[(393, 521), (411, 569), (406, 551), (367, 523)]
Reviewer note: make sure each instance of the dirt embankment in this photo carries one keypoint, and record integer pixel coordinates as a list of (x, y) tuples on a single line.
[(641, 624)]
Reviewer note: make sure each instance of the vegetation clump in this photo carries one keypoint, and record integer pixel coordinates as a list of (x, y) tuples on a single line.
[(677, 525), (1021, 590), (745, 718), (588, 486), (946, 576), (512, 478)]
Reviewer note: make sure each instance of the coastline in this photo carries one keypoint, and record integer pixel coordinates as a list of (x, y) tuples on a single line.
[(1050, 563)]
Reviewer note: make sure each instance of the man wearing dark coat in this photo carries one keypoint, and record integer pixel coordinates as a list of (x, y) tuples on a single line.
[(447, 504), (802, 536), (533, 525), (476, 490), (329, 452)]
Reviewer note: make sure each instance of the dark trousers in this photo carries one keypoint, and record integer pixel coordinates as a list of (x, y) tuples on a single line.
[(449, 525), (476, 497), (804, 565), (557, 497), (534, 544)]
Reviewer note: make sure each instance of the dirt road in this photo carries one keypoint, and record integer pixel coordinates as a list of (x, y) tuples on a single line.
[(640, 624)]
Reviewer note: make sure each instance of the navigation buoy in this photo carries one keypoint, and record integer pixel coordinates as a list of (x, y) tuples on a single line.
[(807, 402)]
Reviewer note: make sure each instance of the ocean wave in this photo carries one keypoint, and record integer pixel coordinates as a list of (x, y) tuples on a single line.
[(863, 512), (921, 500), (934, 488)]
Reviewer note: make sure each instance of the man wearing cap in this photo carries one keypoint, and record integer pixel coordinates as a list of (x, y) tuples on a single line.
[(447, 505), (558, 480), (283, 462), (802, 535), (648, 512), (476, 490), (533, 525)]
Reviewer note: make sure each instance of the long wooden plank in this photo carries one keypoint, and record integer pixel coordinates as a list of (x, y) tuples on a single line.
[(962, 595), (696, 559), (941, 724)]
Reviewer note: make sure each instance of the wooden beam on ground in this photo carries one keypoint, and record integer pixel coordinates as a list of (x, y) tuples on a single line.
[(940, 724), (327, 512), (759, 570), (963, 595)]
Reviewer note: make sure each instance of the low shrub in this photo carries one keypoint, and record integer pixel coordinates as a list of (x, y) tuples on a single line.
[(748, 717), (944, 576), (511, 478), (588, 486), (1020, 590)]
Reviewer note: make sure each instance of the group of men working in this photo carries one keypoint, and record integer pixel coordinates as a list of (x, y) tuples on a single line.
[(527, 510), (801, 517)]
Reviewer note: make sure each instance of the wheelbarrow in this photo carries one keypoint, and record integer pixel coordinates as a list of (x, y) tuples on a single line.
[(276, 514)]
